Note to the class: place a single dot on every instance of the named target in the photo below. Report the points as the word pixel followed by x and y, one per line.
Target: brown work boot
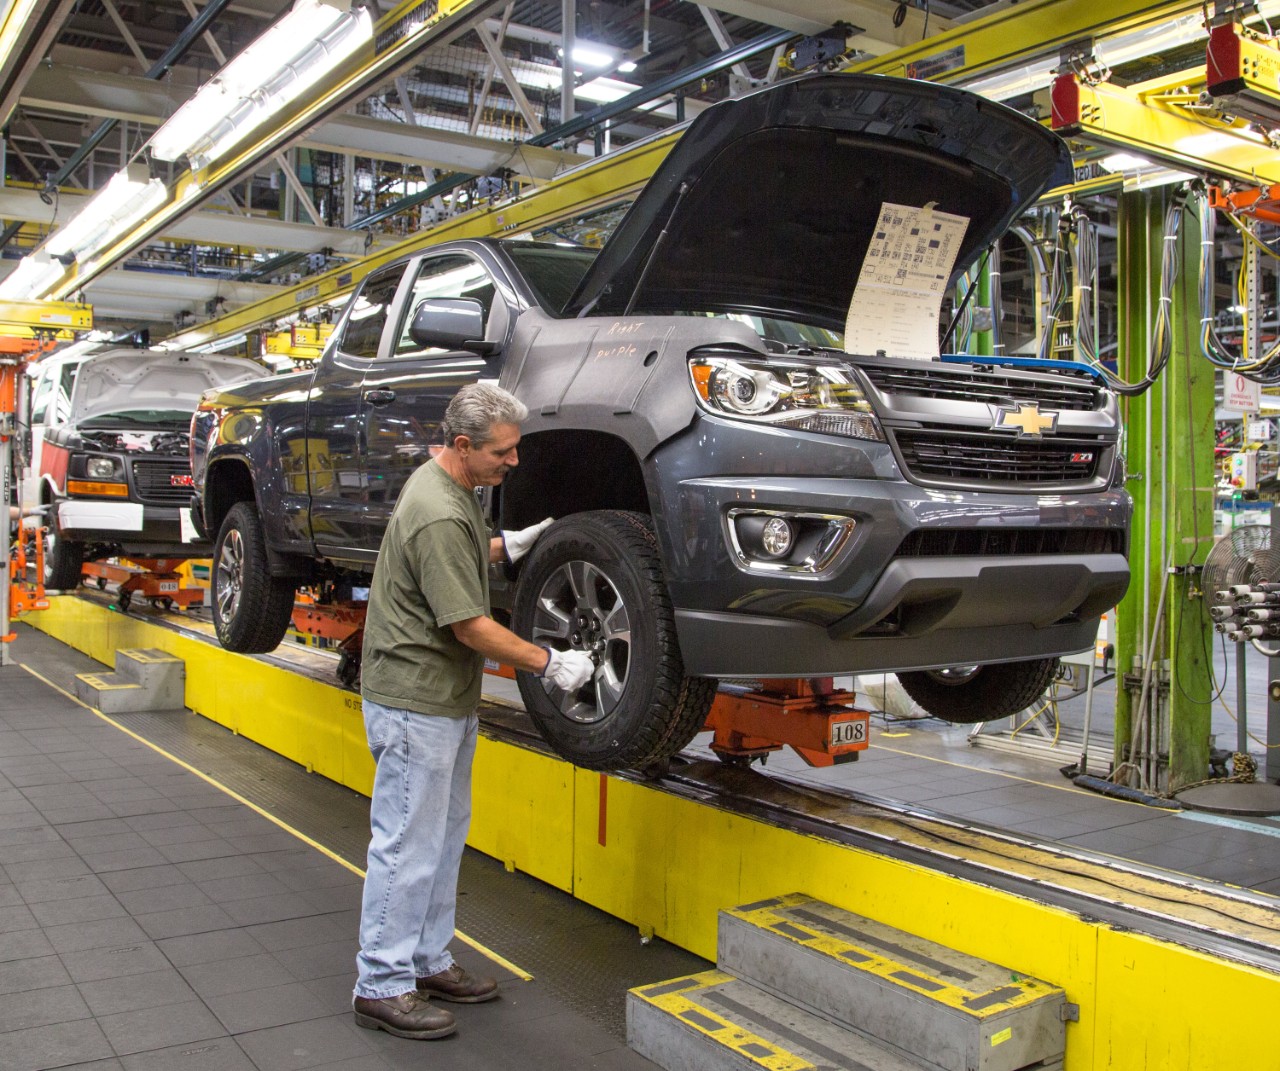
pixel 407 1015
pixel 456 984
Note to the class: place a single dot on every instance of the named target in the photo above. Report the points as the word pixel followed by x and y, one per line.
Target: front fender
pixel 626 376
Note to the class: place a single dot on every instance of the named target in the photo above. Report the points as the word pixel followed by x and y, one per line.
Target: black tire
pixel 63 560
pixel 251 608
pixel 971 694
pixel 605 567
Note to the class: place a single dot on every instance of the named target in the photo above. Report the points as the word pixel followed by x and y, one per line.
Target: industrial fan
pixel 1244 556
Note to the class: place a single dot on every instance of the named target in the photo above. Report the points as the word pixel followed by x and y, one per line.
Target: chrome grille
pixel 962 384
pixel 153 484
pixel 934 455
pixel 975 542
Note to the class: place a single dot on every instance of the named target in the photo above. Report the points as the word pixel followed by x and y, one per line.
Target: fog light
pixel 100 468
pixel 777 537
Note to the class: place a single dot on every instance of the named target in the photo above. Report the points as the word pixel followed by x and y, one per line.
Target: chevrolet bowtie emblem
pixel 1027 419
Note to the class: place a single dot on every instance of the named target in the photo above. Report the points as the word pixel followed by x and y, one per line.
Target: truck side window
pixel 364 327
pixel 51 400
pixel 454 276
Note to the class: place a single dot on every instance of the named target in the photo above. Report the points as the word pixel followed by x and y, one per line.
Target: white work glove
pixel 568 670
pixel 519 543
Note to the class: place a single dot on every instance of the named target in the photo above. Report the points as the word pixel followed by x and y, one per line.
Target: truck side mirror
pixel 450 324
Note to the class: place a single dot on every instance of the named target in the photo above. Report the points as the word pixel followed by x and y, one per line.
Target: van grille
pixel 966 456
pixel 930 381
pixel 152 480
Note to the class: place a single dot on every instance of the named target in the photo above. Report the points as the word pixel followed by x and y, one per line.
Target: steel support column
pixel 1170 438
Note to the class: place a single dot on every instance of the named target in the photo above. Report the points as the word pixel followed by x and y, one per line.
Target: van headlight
pixel 100 468
pixel 807 397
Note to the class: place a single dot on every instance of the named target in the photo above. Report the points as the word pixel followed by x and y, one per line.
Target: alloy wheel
pixel 230 578
pixel 580 608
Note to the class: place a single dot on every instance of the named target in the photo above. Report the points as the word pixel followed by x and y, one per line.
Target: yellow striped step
pixel 715 1022
pixel 145 678
pixel 946 1009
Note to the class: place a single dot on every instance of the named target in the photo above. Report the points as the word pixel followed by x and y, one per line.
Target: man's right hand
pixel 568 670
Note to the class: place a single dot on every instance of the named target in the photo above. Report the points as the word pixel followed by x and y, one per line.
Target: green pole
pixel 1169 449
pixel 984 341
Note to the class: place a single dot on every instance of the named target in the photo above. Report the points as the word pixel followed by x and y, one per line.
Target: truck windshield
pixel 552 271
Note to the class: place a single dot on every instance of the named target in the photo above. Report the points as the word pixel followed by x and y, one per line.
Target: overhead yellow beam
pixel 1010 36
pixel 29 319
pixel 1158 120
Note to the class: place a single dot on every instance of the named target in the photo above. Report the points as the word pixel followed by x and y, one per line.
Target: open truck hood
pixel 784 187
pixel 119 381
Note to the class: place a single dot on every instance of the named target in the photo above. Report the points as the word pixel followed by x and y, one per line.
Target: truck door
pixel 406 391
pixel 327 456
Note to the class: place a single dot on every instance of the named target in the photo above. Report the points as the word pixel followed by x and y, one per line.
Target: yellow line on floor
pixel 501 961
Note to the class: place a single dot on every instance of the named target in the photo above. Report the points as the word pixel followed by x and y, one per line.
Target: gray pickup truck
pixel 737 496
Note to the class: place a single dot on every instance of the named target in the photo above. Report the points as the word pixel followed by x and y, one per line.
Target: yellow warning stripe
pixel 102 684
pixel 673 999
pixel 501 961
pixel 1012 994
pixel 148 656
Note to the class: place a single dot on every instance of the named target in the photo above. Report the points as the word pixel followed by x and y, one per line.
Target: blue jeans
pixel 418 816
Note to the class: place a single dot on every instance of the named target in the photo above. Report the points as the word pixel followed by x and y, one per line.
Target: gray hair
pixel 477 408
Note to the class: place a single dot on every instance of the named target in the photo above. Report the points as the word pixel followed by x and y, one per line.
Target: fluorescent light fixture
pixel 14 20
pixel 1125 161
pixel 221 344
pixel 590 54
pixel 604 90
pixel 626 66
pixel 282 64
pixel 1140 173
pixel 1206 145
pixel 1156 176
pixel 32 278
pixel 130 195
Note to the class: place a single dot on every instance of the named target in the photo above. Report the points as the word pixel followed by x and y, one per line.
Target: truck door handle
pixel 379 397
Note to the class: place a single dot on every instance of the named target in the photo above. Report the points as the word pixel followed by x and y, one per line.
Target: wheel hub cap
pixel 579 608
pixel 229 578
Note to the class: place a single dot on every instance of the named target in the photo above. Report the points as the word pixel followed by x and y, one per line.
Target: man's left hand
pixel 519 543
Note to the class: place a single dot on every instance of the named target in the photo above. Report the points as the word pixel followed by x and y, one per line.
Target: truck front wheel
pixel 966 695
pixel 594 583
pixel 251 608
pixel 63 560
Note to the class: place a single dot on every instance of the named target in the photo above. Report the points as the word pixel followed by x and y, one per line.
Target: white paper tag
pixel 898 298
pixel 187 526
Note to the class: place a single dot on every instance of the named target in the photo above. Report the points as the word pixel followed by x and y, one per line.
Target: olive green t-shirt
pixel 432 570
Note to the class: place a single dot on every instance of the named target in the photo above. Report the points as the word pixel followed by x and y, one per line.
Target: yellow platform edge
pixel 668 865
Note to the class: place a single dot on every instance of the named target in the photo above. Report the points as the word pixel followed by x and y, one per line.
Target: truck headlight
pixel 808 397
pixel 100 468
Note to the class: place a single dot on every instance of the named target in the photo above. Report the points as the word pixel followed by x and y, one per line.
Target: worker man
pixel 427 634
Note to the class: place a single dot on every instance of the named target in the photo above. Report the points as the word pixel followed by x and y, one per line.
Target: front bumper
pixel 881 607
pixel 147 531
